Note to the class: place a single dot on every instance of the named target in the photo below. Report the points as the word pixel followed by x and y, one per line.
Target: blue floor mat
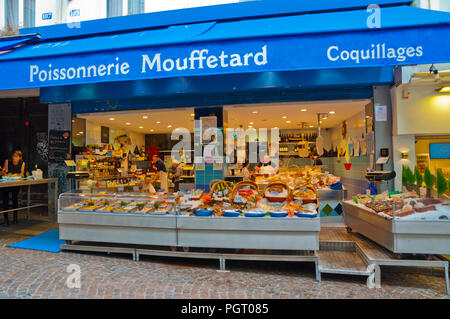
pixel 48 241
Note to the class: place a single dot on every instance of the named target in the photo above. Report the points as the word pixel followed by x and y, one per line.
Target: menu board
pixel 59 143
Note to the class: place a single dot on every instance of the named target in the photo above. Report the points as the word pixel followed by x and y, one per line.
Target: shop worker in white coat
pixel 161 172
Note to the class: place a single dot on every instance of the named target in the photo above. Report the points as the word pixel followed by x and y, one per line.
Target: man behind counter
pixel 315 160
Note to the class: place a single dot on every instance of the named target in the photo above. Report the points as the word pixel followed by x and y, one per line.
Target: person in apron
pixel 161 173
pixel 15 166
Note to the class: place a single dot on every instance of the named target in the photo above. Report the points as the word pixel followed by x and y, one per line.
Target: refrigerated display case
pixel 403 223
pixel 124 218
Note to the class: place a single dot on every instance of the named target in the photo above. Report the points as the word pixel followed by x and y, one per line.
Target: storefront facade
pixel 211 58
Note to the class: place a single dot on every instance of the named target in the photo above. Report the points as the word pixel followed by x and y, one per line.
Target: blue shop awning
pixel 9 43
pixel 406 36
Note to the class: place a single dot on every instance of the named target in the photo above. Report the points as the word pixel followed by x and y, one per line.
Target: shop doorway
pixel 343 124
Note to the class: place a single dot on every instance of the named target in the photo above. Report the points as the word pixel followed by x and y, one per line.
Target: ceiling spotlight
pixel 332 112
pixel 145 117
pixel 128 123
pixel 192 114
pixel 255 112
pixel 81 133
pixel 158 122
pixel 251 123
pixel 169 126
pixel 152 130
pixel 288 122
pixel 250 126
pixel 112 119
pixel 284 117
pixel 141 127
pixel 304 110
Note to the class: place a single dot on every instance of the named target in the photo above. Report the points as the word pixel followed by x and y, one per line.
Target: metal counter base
pixel 296 238
pixel 221 255
pixel 249 233
pixel 400 237
pixel 118 228
pixel 188 231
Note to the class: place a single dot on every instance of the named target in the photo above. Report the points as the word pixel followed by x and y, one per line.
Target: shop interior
pixel 101 140
pixel 433 152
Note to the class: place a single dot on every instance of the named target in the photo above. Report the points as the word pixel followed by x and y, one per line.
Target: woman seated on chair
pixel 14 167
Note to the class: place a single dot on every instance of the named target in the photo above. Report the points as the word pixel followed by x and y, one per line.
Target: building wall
pixel 424 112
pixel 48 12
pixel 97 9
pixel 2 14
pixel 441 5
pixel 403 144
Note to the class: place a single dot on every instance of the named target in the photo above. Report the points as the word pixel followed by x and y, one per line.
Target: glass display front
pixel 118 203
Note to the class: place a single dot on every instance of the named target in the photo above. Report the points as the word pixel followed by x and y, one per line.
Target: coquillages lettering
pixel 378 51
pixel 198 59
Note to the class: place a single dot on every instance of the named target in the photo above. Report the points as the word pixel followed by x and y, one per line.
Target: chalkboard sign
pixel 59 143
pixel 105 135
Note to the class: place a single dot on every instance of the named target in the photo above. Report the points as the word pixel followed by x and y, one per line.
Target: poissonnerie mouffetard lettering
pixel 198 59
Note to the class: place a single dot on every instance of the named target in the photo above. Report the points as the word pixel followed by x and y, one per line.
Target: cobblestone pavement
pixel 34 274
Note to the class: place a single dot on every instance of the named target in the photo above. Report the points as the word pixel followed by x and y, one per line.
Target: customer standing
pixel 246 174
pixel 15 166
pixel 161 172
pixel 177 173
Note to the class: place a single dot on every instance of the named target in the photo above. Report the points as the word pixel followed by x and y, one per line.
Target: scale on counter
pixel 75 176
pixel 381 175
pixel 78 175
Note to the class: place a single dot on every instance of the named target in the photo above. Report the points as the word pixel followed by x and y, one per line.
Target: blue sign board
pixel 74 13
pixel 47 16
pixel 440 150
